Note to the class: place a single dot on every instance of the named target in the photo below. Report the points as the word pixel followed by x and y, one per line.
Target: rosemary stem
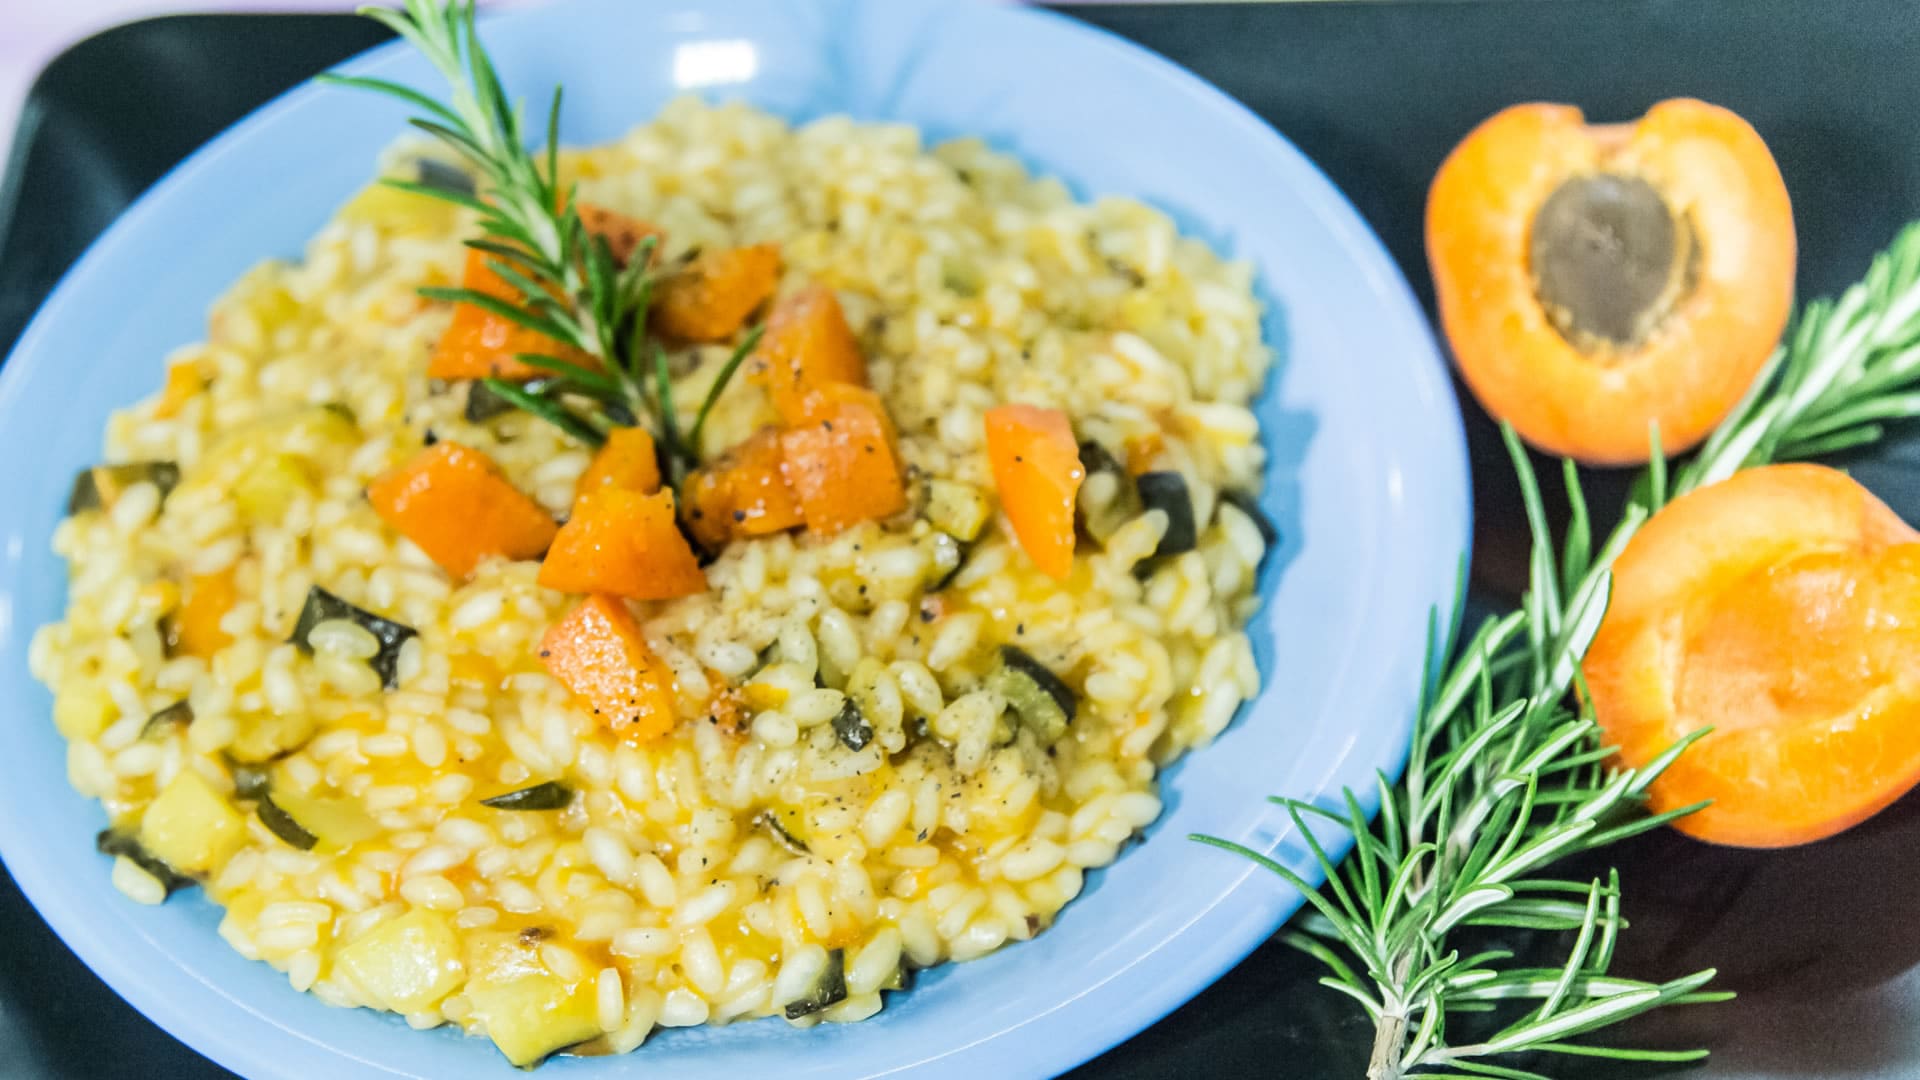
pixel 1390 1034
pixel 1389 1039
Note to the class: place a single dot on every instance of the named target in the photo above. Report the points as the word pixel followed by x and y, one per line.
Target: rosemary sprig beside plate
pixel 1507 775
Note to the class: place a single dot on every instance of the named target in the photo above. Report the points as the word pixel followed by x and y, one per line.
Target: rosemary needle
pixel 570 289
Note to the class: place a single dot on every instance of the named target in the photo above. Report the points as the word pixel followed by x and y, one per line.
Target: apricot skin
pixel 1781 608
pixel 1714 172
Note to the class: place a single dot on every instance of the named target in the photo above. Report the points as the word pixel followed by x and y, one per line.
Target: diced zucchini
pixel 959 564
pixel 531 1015
pixel 902 977
pixel 1167 491
pixel 406 965
pixel 851 725
pixel 811 827
pixel 269 487
pixel 333 821
pixel 552 795
pixel 282 825
pixel 264 463
pixel 178 714
pixel 101 486
pixel 828 990
pixel 191 827
pixel 124 845
pixel 305 820
pixel 1044 704
pixel 249 781
pixel 434 173
pixel 944 556
pixel 1248 504
pixel 1118 501
pixel 83 712
pixel 262 737
pixel 483 404
pixel 957 509
pixel 1096 458
pixel 770 820
pixel 322 605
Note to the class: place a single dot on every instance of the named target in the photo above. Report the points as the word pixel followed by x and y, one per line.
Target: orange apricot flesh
pixel 1595 280
pixel 1781 609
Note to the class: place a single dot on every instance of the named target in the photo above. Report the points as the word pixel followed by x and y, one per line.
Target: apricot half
pixel 1593 280
pixel 1781 608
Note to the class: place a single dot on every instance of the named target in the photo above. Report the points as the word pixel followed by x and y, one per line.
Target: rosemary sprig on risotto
pixel 571 288
pixel 1508 775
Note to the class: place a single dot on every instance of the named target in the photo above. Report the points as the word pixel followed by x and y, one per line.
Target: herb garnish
pixel 1507 774
pixel 571 288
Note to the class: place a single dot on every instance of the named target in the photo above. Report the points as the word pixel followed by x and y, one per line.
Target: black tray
pixel 1821 942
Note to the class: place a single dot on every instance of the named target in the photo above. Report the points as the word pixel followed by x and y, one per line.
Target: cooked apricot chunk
pixel 1036 467
pixel 598 653
pixel 623 543
pixel 456 505
pixel 743 492
pixel 1595 280
pixel 627 460
pixel 1781 609
pixel 840 459
pixel 479 344
pixel 713 296
pixel 808 345
pixel 623 234
pixel 195 628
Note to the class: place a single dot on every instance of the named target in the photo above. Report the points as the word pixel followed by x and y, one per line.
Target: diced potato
pixel 268 488
pixel 83 713
pixel 531 1015
pixel 408 964
pixel 192 827
pixel 335 821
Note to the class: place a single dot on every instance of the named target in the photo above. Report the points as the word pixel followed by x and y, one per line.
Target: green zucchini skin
pixel 96 488
pixel 1095 458
pixel 435 173
pixel 829 990
pixel 1167 491
pixel 281 824
pixel 1045 705
pixel 851 725
pixel 483 404
pixel 116 843
pixel 946 579
pixel 322 605
pixel 250 781
pixel 771 821
pixel 551 795
pixel 1248 504
pixel 179 713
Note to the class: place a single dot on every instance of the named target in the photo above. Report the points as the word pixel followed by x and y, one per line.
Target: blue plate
pixel 1368 485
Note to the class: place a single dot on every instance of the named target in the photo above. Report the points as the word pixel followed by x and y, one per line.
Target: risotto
pixel 880 744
